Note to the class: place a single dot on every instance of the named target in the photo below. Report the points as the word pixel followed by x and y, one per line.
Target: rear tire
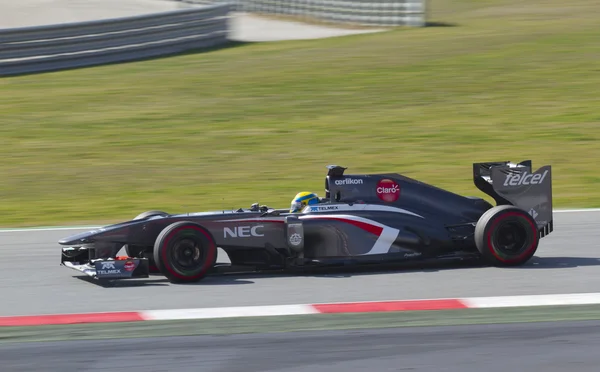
pixel 136 251
pixel 184 252
pixel 506 236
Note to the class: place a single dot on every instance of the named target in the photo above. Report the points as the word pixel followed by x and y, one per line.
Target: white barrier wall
pixel 382 13
pixel 54 47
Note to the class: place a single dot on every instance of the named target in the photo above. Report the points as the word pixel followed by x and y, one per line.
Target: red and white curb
pixel 306 309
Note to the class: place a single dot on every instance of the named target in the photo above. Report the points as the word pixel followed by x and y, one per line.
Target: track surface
pixel 32 282
pixel 549 347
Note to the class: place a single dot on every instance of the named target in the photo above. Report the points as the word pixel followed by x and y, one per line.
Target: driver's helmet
pixel 302 199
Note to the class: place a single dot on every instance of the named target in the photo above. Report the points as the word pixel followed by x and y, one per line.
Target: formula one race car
pixel 364 218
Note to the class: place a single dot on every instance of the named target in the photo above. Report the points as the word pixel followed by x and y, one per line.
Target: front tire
pixel 184 252
pixel 506 236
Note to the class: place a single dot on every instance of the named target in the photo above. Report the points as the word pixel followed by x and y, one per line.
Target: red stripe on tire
pixel 34 320
pixel 375 307
pixel 491 230
pixel 209 259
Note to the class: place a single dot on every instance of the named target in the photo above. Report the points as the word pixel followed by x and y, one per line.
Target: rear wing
pixel 517 184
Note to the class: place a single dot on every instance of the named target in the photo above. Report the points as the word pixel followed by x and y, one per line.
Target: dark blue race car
pixel 363 219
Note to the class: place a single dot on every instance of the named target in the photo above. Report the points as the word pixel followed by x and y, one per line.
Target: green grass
pixel 259 122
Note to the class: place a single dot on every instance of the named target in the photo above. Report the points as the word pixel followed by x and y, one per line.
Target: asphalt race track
pixel 548 347
pixel 33 282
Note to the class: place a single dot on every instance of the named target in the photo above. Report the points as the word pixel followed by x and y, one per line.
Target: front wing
pixel 110 268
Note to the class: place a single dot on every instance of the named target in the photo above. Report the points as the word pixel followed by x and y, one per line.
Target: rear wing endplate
pixel 517 184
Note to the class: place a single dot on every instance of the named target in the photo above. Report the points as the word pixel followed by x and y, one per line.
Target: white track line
pixel 50 228
pixel 532 300
pixel 228 312
pixel 583 210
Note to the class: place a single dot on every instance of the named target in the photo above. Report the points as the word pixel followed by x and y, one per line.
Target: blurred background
pixel 258 121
